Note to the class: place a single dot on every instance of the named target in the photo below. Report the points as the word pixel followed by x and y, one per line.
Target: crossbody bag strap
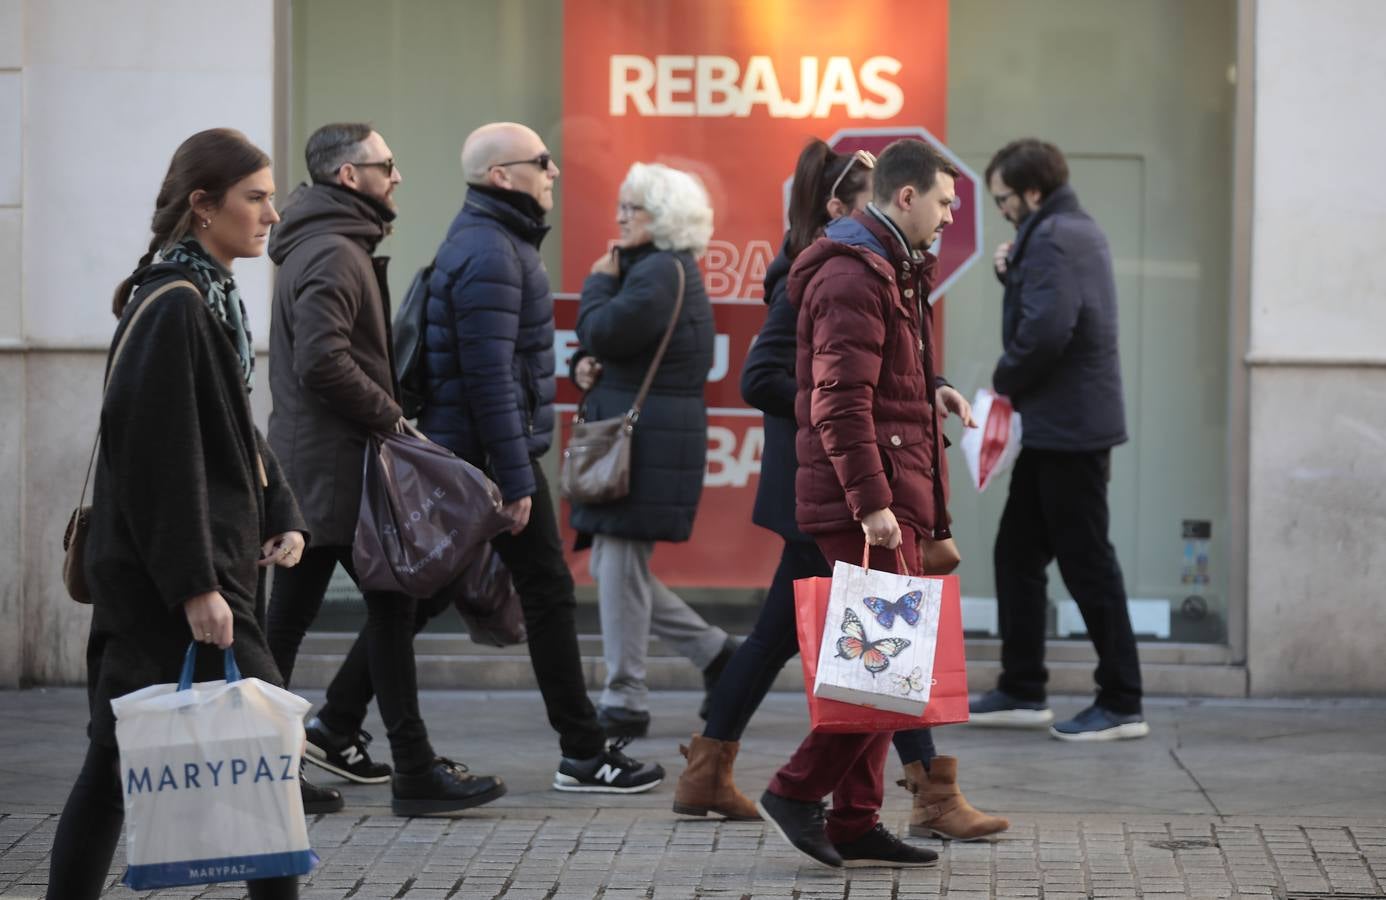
pixel 120 345
pixel 634 414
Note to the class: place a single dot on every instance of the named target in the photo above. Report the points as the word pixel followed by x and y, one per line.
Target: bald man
pixel 489 399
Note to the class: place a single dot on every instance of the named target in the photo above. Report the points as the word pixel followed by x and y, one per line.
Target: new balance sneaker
pixel 1097 723
pixel 619 722
pixel 879 847
pixel 609 772
pixel 802 823
pixel 998 708
pixel 343 756
pixel 443 788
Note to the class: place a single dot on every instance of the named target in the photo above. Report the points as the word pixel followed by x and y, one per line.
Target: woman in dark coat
pixel 627 303
pixel 189 507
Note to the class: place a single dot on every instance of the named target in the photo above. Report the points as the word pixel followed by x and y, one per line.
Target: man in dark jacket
pixel 489 398
pixel 869 450
pixel 1061 370
pixel 332 378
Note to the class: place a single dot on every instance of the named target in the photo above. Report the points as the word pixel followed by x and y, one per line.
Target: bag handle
pixel 899 558
pixel 233 671
pixel 106 382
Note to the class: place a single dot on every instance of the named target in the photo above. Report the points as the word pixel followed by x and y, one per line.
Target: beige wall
pixel 1317 501
pixel 94 97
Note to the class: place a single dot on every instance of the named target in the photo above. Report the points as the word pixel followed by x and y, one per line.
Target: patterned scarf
pixel 219 289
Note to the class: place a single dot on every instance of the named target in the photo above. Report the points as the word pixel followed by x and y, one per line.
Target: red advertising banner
pixel 731 90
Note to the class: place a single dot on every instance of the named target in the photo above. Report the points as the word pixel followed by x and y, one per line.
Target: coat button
pixel 895 440
pixel 909 292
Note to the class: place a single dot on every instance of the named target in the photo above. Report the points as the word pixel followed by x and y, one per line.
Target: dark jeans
pixel 383 654
pixel 1057 508
pixel 89 828
pixel 774 641
pixel 540 573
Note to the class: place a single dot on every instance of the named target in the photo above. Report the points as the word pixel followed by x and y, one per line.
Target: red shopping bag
pixel 948 698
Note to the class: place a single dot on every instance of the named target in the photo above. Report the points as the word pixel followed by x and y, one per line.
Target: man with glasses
pixel 333 383
pixel 489 398
pixel 1061 370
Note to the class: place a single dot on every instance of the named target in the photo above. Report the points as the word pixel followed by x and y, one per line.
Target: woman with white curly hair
pixel 628 301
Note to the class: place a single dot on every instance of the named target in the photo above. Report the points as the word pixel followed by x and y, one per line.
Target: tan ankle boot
pixel 706 785
pixel 940 809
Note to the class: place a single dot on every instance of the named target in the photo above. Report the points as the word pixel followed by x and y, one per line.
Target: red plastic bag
pixel 948 698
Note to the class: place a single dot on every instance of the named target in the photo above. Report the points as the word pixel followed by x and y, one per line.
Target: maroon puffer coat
pixel 868 433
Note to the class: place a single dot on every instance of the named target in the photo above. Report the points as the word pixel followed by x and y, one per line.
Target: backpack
pixel 410 323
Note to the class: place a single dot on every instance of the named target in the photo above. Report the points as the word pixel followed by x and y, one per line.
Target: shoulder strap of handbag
pixel 634 414
pixel 125 336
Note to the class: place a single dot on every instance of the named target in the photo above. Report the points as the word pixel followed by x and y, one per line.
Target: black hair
pixel 908 161
pixel 1030 164
pixel 818 167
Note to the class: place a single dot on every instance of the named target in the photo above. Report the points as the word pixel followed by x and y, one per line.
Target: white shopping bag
pixel 879 638
pixel 993 445
pixel 210 777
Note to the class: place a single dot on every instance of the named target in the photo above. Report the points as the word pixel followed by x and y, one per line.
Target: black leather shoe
pixel 319 800
pixel 443 788
pixel 619 722
pixel 713 672
pixel 802 824
pixel 879 847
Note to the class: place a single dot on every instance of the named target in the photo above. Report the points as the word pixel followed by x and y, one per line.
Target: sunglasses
pixel 543 161
pixel 387 164
pixel 867 160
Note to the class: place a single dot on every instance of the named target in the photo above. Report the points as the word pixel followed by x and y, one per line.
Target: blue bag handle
pixel 233 671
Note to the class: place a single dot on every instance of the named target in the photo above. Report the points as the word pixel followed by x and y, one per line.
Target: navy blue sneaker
pixel 1097 723
pixel 1000 709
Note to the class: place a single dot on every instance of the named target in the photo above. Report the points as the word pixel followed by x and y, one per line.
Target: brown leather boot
pixel 940 809
pixel 706 785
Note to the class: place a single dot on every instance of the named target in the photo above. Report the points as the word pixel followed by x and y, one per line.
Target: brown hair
pixel 908 161
pixel 1030 164
pixel 818 167
pixel 211 161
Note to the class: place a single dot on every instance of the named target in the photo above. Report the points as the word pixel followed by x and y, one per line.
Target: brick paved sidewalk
pixel 1244 799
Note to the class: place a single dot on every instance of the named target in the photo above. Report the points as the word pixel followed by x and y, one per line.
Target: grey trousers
pixel 633 603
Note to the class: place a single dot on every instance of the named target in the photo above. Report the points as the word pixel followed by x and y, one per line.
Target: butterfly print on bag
pixel 907 608
pixel 875 655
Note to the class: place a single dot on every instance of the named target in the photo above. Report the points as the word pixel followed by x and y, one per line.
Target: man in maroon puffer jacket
pixel 869 450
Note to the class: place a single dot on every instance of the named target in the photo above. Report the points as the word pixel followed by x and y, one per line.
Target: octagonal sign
pixel 960 245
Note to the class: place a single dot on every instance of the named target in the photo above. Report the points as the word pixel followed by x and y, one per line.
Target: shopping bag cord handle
pixel 899 558
pixel 185 680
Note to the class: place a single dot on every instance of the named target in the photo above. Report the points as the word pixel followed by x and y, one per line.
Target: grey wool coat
pixel 331 362
pixel 621 321
pixel 179 506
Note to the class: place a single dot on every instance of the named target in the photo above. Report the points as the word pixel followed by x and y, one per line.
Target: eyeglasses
pixel 543 160
pixel 387 164
pixel 1000 199
pixel 865 157
pixel 626 210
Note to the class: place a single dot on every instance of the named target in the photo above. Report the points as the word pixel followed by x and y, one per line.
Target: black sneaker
pixel 879 847
pixel 1001 709
pixel 609 772
pixel 619 722
pixel 319 800
pixel 342 755
pixel 443 788
pixel 713 672
pixel 801 823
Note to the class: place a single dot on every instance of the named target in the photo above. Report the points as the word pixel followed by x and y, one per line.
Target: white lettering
pixel 726 466
pixel 636 90
pixel 608 774
pixel 721 358
pixel 717 86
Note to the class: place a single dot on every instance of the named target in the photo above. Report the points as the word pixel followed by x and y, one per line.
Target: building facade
pixel 1227 148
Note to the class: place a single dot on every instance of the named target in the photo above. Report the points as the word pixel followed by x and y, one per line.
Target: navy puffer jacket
pixel 489 342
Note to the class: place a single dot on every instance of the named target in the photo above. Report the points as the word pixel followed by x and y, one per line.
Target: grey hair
pixel 680 212
pixel 333 146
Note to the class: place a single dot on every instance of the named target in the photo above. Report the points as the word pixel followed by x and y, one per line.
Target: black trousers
pixel 382 656
pixel 1057 509
pixel 89 828
pixel 540 573
pixel 774 641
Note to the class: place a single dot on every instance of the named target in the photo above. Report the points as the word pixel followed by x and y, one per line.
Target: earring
pixel 206 223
